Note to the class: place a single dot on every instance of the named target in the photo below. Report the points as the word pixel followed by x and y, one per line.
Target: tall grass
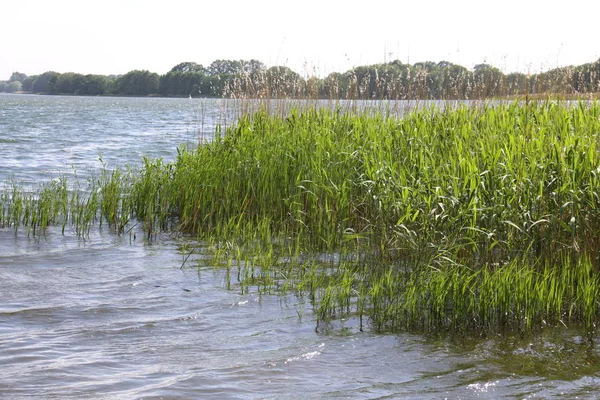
pixel 467 185
pixel 467 218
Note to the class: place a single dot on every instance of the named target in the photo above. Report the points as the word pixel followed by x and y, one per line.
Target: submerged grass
pixel 470 218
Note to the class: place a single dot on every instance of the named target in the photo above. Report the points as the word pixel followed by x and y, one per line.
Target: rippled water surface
pixel 116 317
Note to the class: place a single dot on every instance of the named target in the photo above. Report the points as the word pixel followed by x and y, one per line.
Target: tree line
pixel 252 79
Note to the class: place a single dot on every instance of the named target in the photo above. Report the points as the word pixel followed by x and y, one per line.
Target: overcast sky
pixel 313 37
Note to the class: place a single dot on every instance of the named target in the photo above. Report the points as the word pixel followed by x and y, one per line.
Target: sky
pixel 312 37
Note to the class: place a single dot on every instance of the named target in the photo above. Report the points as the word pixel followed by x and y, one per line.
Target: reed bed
pixel 476 218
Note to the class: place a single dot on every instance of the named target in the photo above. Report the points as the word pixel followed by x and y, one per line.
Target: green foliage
pixel 237 78
pixel 225 68
pixel 28 83
pixel 186 67
pixel 183 84
pixel 282 82
pixel 251 79
pixel 13 86
pixel 17 77
pixel 137 83
pixel 468 219
pixel 94 85
pixel 45 82
pixel 474 218
pixel 68 83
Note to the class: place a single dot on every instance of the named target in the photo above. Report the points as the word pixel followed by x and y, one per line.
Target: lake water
pixel 113 317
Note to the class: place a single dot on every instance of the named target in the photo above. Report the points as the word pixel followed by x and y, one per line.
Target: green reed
pixel 467 218
pixel 475 183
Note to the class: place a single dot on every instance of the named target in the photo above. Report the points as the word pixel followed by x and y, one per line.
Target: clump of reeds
pixel 494 182
pixel 470 193
pixel 467 218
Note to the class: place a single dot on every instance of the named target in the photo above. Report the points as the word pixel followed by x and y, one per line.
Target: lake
pixel 114 316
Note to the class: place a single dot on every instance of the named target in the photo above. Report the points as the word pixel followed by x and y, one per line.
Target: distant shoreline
pixel 21 92
pixel 531 97
pixel 253 79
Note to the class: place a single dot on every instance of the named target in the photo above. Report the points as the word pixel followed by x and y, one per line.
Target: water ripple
pixel 108 318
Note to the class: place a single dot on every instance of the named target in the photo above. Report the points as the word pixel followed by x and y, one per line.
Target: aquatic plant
pixel 481 217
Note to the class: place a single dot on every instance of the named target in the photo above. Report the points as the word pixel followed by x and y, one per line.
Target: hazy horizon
pixel 316 38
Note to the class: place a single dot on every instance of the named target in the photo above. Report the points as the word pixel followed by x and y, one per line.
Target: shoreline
pixel 531 97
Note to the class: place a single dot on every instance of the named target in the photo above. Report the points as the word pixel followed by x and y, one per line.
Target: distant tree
pixel 488 81
pixel 222 76
pixel 313 87
pixel 586 77
pixel 225 68
pixel 69 83
pixel 420 80
pixel 138 83
pixel 165 83
pixel 13 86
pixel 238 78
pixel 96 84
pixel 28 83
pixel 185 67
pixel 356 78
pixel 183 84
pixel 45 82
pixel 283 82
pixel 516 84
pixel 458 80
pixel 446 80
pixel 72 83
pixel 111 84
pixel 17 77
pixel 251 78
pixel 252 66
pixel 335 86
pixel 390 80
